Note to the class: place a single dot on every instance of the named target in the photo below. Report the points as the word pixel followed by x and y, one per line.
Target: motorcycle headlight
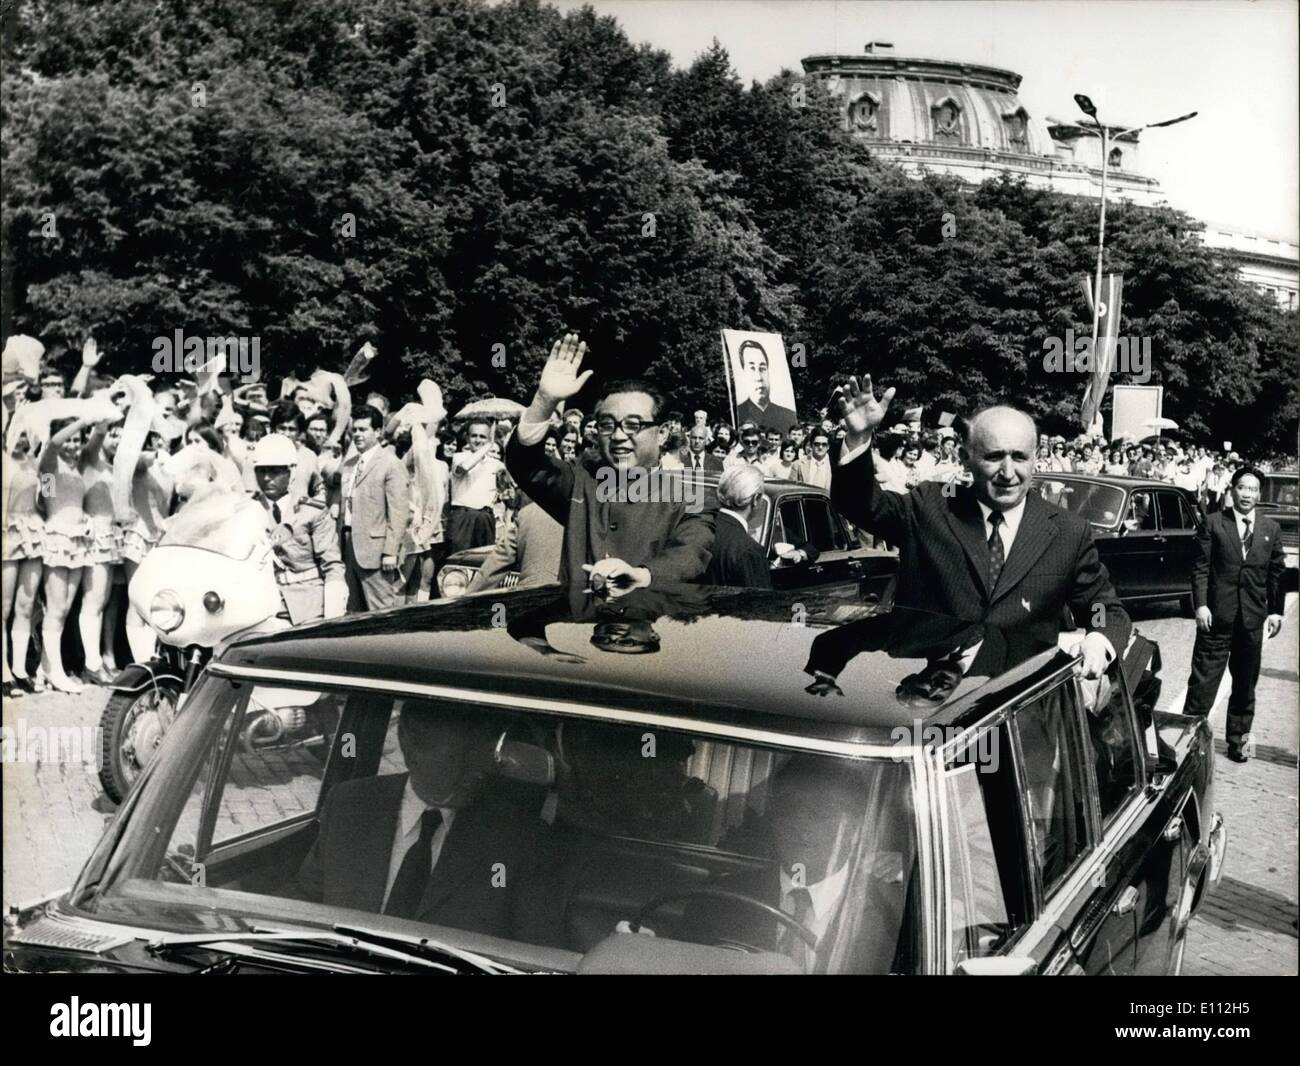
pixel 453 581
pixel 166 613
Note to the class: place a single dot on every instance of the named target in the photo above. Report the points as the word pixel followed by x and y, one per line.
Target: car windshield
pixel 530 838
pixel 1096 503
pixel 1279 490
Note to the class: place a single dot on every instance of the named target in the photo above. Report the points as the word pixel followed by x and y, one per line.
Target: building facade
pixel 967 119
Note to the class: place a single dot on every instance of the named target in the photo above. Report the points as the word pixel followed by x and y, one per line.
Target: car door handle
pixel 1127 902
pixel 1174 829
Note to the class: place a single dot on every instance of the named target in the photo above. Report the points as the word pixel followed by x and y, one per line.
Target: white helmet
pixel 275 449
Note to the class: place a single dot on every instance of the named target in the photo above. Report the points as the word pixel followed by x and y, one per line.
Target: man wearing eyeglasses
pixel 617 544
pixel 747 454
pixel 815 469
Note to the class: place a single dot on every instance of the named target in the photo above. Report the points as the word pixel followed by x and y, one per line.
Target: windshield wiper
pixel 428 954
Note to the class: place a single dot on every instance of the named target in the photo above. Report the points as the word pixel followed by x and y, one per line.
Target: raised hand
pixel 560 377
pixel 861 411
pixel 90 354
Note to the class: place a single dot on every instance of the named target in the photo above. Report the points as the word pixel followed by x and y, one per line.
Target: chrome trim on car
pixel 560 707
pixel 1218 845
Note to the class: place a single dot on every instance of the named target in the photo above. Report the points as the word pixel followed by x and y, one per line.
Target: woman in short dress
pixel 103 553
pixel 24 545
pixel 67 539
pixel 141 529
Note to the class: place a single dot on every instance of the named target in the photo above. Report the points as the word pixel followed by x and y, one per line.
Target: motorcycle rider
pixel 308 562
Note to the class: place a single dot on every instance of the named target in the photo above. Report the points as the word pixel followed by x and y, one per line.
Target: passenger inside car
pixel 437 843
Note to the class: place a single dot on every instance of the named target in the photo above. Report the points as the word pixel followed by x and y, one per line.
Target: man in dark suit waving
pixel 992 551
pixel 1237 589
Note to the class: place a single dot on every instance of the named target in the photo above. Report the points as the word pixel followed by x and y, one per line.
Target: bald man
pixel 992 551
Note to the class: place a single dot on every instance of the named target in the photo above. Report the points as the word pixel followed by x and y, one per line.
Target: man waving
pixel 992 551
pixel 620 544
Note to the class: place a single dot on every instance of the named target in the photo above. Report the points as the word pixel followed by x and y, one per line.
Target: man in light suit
pixel 436 844
pixel 1237 590
pixel 373 514
pixel 815 468
pixel 992 551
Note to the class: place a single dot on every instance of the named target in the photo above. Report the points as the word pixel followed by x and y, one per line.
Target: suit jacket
pixel 1233 586
pixel 712 464
pixel 673 543
pixel 348 864
pixel 1052 568
pixel 801 470
pixel 380 505
pixel 737 558
pixel 775 417
pixel 532 545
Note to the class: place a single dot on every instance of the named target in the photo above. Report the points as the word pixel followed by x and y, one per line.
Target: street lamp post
pixel 1090 109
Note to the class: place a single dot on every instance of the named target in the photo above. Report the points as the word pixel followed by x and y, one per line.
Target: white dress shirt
pixel 475 487
pixel 408 832
pixel 825 895
pixel 1010 524
pixel 1241 521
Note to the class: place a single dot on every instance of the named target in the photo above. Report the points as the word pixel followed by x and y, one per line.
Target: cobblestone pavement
pixel 55 811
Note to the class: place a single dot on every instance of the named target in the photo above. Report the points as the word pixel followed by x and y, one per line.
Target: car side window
pixel 1113 740
pixel 821 525
pixel 985 849
pixel 1141 515
pixel 1055 791
pixel 792 521
pixel 1173 511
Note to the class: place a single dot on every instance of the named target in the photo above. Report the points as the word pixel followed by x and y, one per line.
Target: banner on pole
pixel 1112 292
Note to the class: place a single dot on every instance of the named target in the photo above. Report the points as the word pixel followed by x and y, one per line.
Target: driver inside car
pixel 808 830
pixel 440 844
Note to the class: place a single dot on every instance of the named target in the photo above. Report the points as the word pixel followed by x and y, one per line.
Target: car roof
pixel 727 656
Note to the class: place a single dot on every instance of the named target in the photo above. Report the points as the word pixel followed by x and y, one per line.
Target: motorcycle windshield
pixel 228 523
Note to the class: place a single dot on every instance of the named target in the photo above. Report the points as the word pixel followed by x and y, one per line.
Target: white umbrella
pixel 492 408
pixel 1160 423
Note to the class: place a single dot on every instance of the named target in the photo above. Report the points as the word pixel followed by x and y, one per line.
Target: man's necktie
pixel 699 463
pixel 1247 539
pixel 801 900
pixel 413 875
pixel 275 513
pixel 997 554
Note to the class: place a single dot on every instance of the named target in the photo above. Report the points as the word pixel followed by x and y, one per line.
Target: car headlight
pixel 166 613
pixel 453 581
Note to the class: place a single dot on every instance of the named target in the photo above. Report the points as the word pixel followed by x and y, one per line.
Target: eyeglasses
pixel 631 425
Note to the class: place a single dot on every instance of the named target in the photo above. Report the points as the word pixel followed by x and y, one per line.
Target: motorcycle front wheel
pixel 131 728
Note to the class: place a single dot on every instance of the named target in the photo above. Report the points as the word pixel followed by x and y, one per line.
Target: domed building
pixel 967 119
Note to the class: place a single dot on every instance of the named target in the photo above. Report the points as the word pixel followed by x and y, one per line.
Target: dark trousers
pixel 469 528
pixel 1239 650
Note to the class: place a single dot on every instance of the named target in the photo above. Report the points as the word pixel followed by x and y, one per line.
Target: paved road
pixel 54 811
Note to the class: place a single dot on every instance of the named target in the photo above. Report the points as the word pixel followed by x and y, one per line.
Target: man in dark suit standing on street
pixel 738 559
pixel 993 551
pixel 1237 589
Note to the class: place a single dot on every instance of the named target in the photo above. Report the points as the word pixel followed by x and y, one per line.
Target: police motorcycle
pixel 210 581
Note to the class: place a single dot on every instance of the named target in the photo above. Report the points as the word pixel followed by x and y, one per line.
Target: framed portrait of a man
pixel 758 379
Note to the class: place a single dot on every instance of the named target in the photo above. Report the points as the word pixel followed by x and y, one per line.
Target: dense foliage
pixel 455 181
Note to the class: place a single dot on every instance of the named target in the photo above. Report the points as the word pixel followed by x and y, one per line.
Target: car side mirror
pixel 997 966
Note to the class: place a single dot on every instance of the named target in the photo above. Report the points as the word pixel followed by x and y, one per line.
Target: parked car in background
pixel 1279 498
pixel 954 798
pixel 795 514
pixel 1145 531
